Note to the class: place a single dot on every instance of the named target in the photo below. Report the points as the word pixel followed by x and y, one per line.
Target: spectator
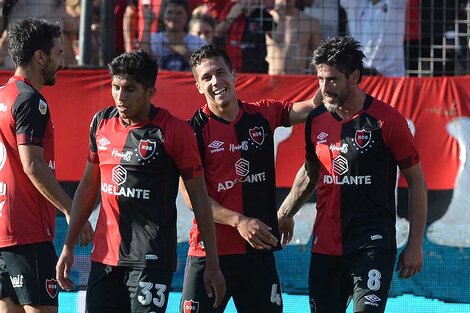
pixel 72 24
pixel 174 45
pixel 53 10
pixel 135 20
pixel 243 26
pixel 302 4
pixel 379 25
pixel 293 40
pixel 412 37
pixel 202 25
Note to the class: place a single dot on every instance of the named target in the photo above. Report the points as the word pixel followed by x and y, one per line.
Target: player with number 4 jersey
pixel 236 145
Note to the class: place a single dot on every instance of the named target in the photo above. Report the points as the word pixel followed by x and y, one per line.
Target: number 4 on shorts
pixel 275 296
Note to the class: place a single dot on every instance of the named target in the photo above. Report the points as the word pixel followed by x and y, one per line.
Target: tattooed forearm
pixel 302 189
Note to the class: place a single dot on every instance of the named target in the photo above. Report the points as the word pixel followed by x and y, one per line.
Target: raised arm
pixel 213 278
pixel 83 204
pixel 301 110
pixel 302 189
pixel 411 258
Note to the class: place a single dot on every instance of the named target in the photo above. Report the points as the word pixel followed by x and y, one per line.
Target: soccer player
pixel 354 143
pixel 137 153
pixel 237 149
pixel 29 191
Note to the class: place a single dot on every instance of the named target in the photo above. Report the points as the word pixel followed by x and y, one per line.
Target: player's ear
pixel 234 73
pixel 39 56
pixel 151 92
pixel 355 76
pixel 199 88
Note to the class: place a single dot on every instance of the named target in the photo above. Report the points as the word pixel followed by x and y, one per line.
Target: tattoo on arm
pixel 304 185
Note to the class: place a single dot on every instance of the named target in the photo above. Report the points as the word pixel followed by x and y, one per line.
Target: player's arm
pixel 257 233
pixel 213 278
pixel 42 177
pixel 83 204
pixel 301 110
pixel 38 171
pixel 411 258
pixel 302 189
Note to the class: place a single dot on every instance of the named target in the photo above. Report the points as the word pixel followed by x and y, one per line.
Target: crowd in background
pixel 399 37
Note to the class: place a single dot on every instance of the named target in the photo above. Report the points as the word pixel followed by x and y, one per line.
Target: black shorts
pixel 121 289
pixel 252 280
pixel 364 276
pixel 27 274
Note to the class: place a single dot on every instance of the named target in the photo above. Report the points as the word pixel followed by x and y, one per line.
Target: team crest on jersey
pixel 257 134
pixel 147 148
pixel 190 306
pixel 362 138
pixel 52 287
pixel 42 107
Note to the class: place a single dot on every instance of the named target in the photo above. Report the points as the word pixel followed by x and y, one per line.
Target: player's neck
pixel 353 104
pixel 227 112
pixel 29 74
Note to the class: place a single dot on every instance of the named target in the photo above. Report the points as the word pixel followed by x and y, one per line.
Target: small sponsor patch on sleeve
pixel 42 107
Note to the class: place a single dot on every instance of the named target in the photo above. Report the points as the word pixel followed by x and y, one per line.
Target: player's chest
pixel 357 140
pixel 141 146
pixel 249 138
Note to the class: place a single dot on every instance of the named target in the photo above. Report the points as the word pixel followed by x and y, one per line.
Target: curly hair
pixel 26 36
pixel 343 53
pixel 138 64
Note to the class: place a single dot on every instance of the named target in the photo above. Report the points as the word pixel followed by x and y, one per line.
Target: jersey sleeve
pixel 398 138
pixel 93 153
pixel 181 146
pixel 277 112
pixel 31 115
pixel 310 154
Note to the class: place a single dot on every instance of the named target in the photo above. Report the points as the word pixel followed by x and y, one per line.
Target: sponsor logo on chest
pixel 340 167
pixel 242 169
pixel 119 177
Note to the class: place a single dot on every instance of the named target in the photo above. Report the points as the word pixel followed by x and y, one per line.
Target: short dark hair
pixel 209 51
pixel 26 36
pixel 202 18
pixel 343 53
pixel 138 64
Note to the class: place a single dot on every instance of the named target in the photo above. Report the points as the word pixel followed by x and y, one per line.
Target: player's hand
pixel 86 234
pixel 215 285
pixel 286 228
pixel 63 267
pixel 257 233
pixel 410 261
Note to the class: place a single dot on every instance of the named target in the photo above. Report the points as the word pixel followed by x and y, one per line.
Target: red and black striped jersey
pixel 238 160
pixel 358 160
pixel 140 167
pixel 26 216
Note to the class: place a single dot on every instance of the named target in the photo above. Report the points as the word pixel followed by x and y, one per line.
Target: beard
pixel 331 107
pixel 335 100
pixel 49 75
